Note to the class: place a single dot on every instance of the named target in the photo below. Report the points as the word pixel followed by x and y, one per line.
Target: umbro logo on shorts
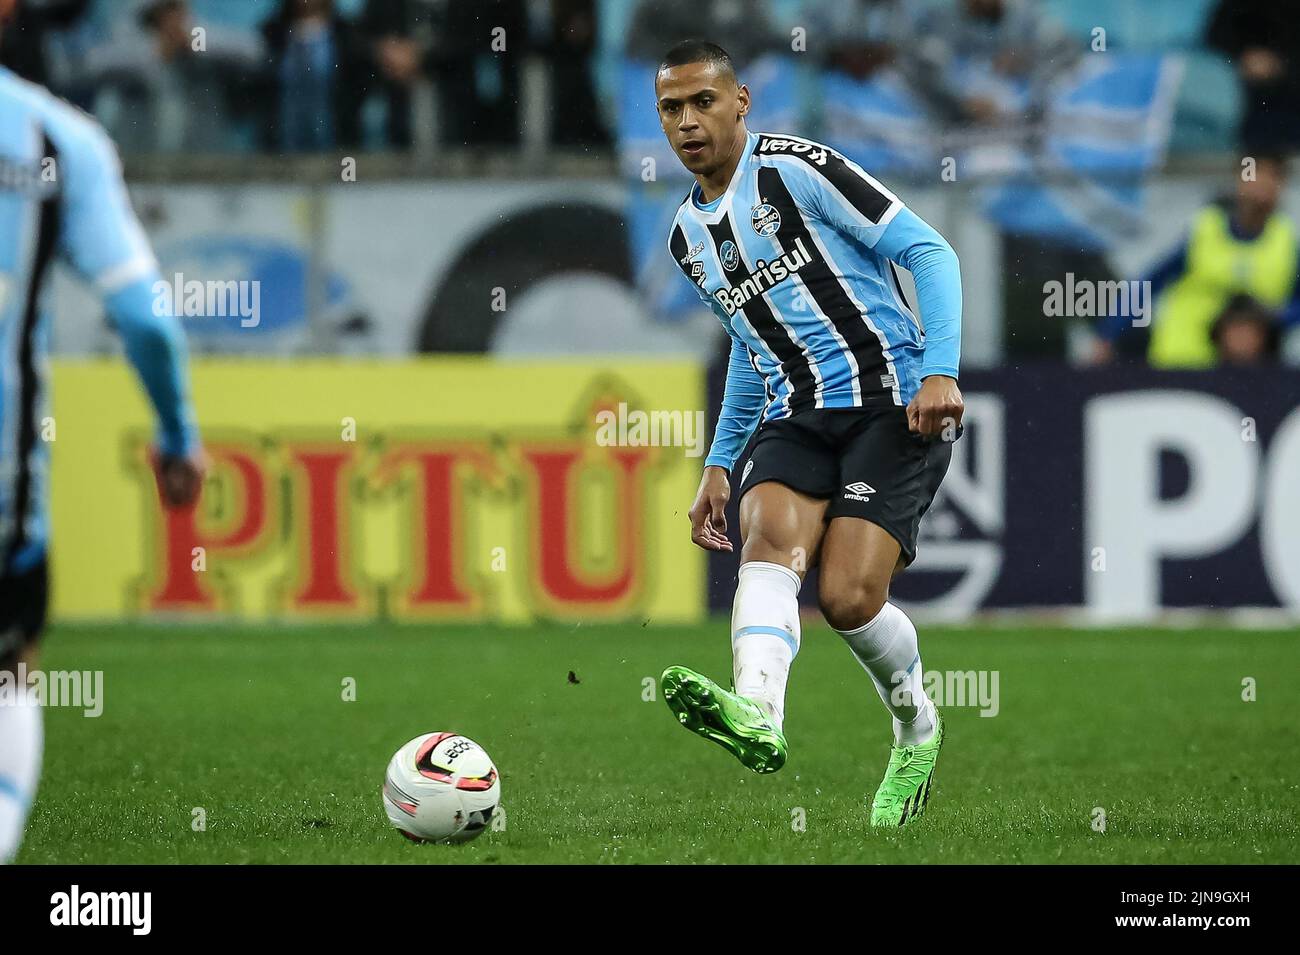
pixel 749 466
pixel 858 491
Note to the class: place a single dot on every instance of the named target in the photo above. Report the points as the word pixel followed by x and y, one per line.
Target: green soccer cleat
pixel 905 789
pixel 734 722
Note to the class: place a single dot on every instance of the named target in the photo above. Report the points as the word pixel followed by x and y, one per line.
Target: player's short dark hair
pixel 699 51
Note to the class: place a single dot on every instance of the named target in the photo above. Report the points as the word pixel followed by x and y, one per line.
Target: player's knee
pixel 848 604
pixel 767 544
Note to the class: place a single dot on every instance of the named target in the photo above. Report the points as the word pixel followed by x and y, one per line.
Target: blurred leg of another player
pixel 22 617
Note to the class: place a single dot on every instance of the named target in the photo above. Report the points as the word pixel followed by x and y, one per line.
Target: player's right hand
pixel 180 478
pixel 708 513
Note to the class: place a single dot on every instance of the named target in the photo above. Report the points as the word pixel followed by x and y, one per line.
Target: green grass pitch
pixel 249 724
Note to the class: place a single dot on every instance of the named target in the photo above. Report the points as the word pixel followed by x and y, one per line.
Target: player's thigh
pixel 781 525
pixel 888 476
pixel 784 487
pixel 858 559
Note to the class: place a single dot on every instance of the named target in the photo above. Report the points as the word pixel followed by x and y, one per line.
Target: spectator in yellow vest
pixel 1242 247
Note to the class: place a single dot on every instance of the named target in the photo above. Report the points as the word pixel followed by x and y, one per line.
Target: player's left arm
pixel 103 240
pixel 937 407
pixel 840 193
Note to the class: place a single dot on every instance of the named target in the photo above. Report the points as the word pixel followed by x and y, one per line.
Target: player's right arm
pixel 743 400
pixel 105 243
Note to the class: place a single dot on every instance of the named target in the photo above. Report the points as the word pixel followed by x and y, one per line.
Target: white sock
pixel 21 739
pixel 765 634
pixel 886 647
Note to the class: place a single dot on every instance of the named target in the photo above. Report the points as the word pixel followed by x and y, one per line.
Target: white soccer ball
pixel 441 787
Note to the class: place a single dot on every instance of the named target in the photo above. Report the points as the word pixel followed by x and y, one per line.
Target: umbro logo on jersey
pixel 697 272
pixel 858 491
pixel 730 255
pixel 762 279
pixel 765 219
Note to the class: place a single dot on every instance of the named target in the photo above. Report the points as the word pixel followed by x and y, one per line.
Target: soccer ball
pixel 441 787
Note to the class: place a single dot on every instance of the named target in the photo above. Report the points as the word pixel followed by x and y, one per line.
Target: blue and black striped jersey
pixel 798 259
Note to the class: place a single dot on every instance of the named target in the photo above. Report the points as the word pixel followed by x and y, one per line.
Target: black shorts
pixel 23 600
pixel 864 460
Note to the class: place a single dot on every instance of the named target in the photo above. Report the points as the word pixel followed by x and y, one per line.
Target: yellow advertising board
pixel 438 488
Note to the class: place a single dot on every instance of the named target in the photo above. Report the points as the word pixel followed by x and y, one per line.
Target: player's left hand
pixel 180 478
pixel 936 409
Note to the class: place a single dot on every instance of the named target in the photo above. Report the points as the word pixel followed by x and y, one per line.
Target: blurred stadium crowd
pixel 301 75
pixel 280 77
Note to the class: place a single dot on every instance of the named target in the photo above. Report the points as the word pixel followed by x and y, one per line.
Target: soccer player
pixel 61 195
pixel 794 248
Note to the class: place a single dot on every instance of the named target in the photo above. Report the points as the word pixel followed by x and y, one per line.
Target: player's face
pixel 700 109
